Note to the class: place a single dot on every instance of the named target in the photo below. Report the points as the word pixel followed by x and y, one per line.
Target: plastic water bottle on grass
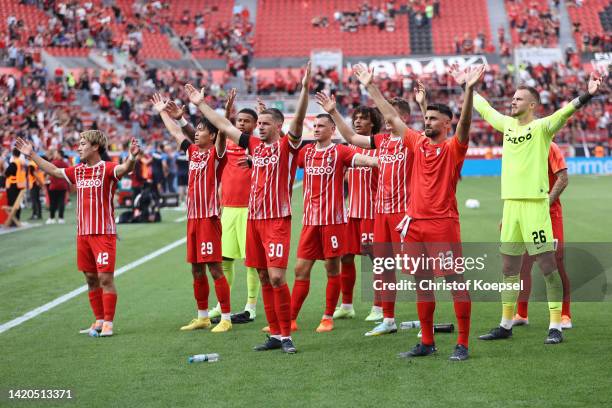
pixel 203 358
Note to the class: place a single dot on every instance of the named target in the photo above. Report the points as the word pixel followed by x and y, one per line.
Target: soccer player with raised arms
pixel 96 181
pixel 269 223
pixel 526 223
pixel 206 162
pixel 394 166
pixel 323 234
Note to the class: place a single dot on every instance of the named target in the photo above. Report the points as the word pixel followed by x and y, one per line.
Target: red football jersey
pixel 95 186
pixel 435 173
pixel 274 168
pixel 362 187
pixel 235 178
pixel 394 168
pixel 556 163
pixel 324 183
pixel 205 170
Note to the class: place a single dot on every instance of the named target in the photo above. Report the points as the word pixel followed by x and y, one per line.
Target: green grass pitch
pixel 145 364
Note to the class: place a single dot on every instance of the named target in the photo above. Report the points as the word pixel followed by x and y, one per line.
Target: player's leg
pixel 566 316
pixel 301 287
pixel 222 290
pixel 512 249
pixel 201 291
pixel 554 294
pixel 95 301
pixel 383 248
pixel 521 317
pixel 282 307
pixel 230 250
pixel 104 250
pixel 267 293
pixel 332 293
pixel 87 263
pixel 348 273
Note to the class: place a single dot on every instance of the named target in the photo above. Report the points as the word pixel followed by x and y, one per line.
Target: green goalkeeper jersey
pixel 525 150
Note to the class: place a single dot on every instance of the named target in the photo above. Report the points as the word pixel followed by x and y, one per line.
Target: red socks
pixel 300 291
pixel 109 300
pixel 426 311
pixel 463 311
pixel 201 291
pixel 348 276
pixel 267 293
pixel 222 290
pixel 282 305
pixel 95 300
pixel 332 293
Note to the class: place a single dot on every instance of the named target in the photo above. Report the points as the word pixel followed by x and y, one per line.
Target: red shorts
pixel 322 241
pixel 96 253
pixel 268 243
pixel 359 232
pixel 437 239
pixel 203 240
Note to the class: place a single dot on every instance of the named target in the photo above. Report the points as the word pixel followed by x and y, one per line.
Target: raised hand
pixel 261 106
pixel 134 147
pixel 420 94
pixel 24 147
pixel 158 102
pixel 231 97
pixel 307 75
pixel 195 97
pixel 174 111
pixel 458 74
pixel 363 74
pixel 326 102
pixel 474 74
pixel 595 82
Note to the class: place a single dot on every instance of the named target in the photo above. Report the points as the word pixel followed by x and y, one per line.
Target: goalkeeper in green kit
pixel 526 221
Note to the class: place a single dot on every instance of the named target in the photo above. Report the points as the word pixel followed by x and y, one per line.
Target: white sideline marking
pixel 25 226
pixel 70 295
pixel 64 298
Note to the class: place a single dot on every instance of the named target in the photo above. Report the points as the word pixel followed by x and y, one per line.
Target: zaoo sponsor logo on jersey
pixel 199 165
pixel 265 161
pixel 519 139
pixel 319 170
pixel 89 183
pixel 391 158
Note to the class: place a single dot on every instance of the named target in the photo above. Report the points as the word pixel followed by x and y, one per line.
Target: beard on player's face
pixel 431 132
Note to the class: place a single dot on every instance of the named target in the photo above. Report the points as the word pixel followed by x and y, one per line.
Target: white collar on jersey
pixel 331 145
pixel 97 164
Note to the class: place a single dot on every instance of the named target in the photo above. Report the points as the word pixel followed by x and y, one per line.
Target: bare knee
pixel 332 266
pixel 107 282
pixel 511 265
pixel 348 259
pixel 197 270
pixel 302 269
pixel 92 280
pixel 215 270
pixel 547 263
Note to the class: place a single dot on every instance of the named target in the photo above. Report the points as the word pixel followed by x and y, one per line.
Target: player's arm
pixel 220 141
pixel 486 111
pixel 560 184
pixel 329 105
pixel 557 120
pixel 297 124
pixel 128 166
pixel 220 122
pixel 420 96
pixel 178 114
pixel 365 77
pixel 362 160
pixel 160 106
pixel 465 120
pixel 27 150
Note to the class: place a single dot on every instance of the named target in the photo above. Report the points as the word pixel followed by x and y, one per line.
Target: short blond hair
pixel 96 137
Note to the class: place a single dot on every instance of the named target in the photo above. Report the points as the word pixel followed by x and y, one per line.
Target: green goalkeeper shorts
pixel 233 232
pixel 526 225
